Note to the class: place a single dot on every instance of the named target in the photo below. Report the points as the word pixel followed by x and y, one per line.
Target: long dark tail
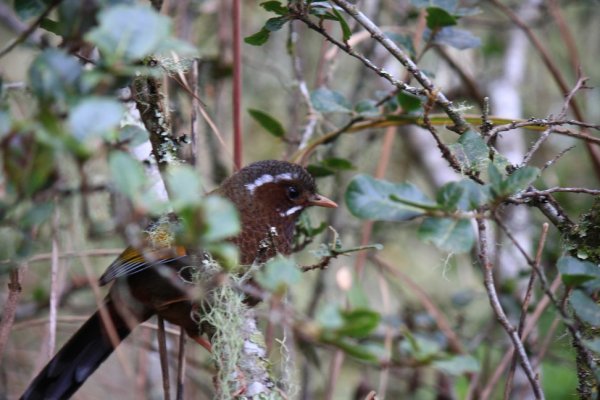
pixel 78 358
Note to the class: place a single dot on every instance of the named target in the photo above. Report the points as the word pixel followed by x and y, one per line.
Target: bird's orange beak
pixel 321 201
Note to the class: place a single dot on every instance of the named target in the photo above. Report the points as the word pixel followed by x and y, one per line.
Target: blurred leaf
pixel 358 323
pixel 357 297
pixel 5 123
pixel 471 151
pixel 439 18
pixel 12 239
pixel 226 254
pixel 133 135
pixel 127 173
pixel 352 348
pixel 346 31
pixel 420 347
pixel 133 32
pixel 460 39
pixel 458 365
pixel 84 122
pixel 521 179
pixel 370 198
pixel 221 218
pixel 37 214
pixel 329 166
pixel 464 195
pixel 367 108
pixel 329 101
pixel 275 24
pixel 574 272
pixel 409 102
pixel 269 123
pixel 54 76
pixel 338 163
pixel 28 162
pixel 184 186
pixel 329 316
pixel 515 182
pixel 585 308
pixel 275 7
pixel 259 38
pixel 319 171
pixel 278 274
pixel 451 235
pixel 27 9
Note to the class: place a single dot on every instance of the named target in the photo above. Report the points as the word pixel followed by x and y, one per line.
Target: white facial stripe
pixel 268 178
pixel 291 211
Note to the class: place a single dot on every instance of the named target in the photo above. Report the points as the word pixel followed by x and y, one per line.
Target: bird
pixel 269 196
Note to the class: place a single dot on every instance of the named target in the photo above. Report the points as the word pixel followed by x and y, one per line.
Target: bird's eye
pixel 293 192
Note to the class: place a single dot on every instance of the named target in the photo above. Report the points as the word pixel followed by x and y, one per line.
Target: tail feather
pixel 78 358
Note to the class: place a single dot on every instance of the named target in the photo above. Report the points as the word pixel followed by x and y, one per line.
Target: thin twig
pixel 181 364
pixel 164 362
pixel 525 307
pixel 531 325
pixel 501 315
pixel 10 307
pixel 237 84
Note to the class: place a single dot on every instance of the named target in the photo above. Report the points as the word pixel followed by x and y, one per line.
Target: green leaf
pixel 352 348
pixel 458 38
pixel 5 123
pixel 329 101
pixel 27 9
pixel 409 102
pixel 471 151
pixel 439 18
pixel 370 198
pixel 319 171
pixel 329 316
pixel 127 173
pixel 54 76
pixel 358 323
pixel 458 365
pixel 276 23
pixel 521 179
pixel 367 108
pixel 268 122
pixel 585 308
pixel 338 163
pixel 279 274
pixel 346 31
pixel 464 195
pixel 12 241
pixel 221 219
pixel 275 7
pixel 184 186
pixel 574 272
pixel 451 235
pixel 259 38
pixel 84 122
pixel 37 214
pixel 132 32
pixel 133 134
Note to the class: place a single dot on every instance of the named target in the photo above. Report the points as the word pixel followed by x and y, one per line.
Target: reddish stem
pixel 237 85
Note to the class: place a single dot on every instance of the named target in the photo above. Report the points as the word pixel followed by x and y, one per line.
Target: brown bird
pixel 267 194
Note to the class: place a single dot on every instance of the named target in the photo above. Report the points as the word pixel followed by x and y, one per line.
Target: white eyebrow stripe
pixel 291 211
pixel 268 178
